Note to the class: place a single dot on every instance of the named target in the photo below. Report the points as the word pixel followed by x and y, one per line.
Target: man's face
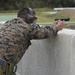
pixel 35 20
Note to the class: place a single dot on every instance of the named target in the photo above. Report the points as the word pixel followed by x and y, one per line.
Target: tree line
pixel 17 4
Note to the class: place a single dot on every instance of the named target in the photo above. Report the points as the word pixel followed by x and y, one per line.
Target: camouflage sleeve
pixel 39 32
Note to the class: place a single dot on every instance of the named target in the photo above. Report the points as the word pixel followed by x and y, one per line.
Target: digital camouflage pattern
pixel 15 36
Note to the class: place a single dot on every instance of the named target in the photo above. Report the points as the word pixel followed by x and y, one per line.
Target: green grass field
pixel 50 18
pixel 40 13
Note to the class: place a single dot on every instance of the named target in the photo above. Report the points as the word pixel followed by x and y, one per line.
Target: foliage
pixel 61 3
pixel 17 4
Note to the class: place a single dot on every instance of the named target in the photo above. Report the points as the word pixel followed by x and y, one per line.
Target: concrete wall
pixel 52 56
pixel 64 8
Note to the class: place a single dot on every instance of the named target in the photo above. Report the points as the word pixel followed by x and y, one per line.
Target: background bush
pixel 17 4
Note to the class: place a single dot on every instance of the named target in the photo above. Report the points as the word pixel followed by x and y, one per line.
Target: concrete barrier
pixel 52 56
pixel 63 8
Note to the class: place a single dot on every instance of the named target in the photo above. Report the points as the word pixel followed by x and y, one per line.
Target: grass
pixel 50 18
pixel 9 11
pixel 42 17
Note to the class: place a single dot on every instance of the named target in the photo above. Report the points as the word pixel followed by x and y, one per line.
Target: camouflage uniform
pixel 15 36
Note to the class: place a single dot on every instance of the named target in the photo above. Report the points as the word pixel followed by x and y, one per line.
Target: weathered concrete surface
pixel 52 56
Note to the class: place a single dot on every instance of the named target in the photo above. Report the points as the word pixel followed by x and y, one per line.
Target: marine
pixel 16 36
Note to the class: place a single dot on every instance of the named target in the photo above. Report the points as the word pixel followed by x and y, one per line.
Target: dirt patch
pixel 69 13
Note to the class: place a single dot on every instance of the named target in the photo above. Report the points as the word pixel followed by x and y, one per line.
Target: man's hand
pixel 58 25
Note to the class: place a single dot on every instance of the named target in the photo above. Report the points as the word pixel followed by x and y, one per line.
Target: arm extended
pixel 42 32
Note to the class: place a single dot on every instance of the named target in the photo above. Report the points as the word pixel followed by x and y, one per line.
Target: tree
pixel 17 4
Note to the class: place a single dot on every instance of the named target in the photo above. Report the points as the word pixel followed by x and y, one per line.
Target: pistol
pixel 62 19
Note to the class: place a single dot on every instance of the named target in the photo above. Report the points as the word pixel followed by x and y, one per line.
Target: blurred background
pixel 17 4
pixel 44 9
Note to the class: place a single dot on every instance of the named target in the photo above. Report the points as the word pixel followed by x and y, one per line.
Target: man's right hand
pixel 58 25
